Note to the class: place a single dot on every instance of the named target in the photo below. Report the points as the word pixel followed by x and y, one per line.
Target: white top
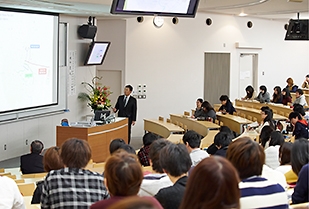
pixel 197 155
pixel 272 156
pixel 284 168
pixel 274 176
pixel 153 182
pixel 259 129
pixel 10 196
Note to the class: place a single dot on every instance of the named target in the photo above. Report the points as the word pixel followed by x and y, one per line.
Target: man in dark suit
pixel 33 162
pixel 127 107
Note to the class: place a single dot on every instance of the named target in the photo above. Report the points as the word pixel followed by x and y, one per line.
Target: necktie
pixel 125 100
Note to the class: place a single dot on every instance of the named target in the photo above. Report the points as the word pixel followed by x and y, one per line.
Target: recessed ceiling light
pixel 242 14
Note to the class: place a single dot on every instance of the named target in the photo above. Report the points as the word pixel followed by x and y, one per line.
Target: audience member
pixel 227 106
pixel 306 82
pixel 290 85
pixel 212 149
pixel 10 196
pixel 136 203
pixel 115 145
pixel 250 93
pixel 272 152
pixel 208 112
pixel 263 95
pixel 128 148
pixel 199 110
pixel 300 165
pixel 143 153
pixel 156 180
pixel 222 141
pixel 300 109
pixel 300 125
pixel 248 158
pixel 73 186
pixel 218 190
pixel 33 162
pixel 267 119
pixel 51 161
pixel 277 96
pixel 286 96
pixel 192 140
pixel 300 98
pixel 175 161
pixel 285 157
pixel 265 136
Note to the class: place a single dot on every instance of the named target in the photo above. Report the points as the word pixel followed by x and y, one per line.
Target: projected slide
pixel 97 53
pixel 176 6
pixel 28 54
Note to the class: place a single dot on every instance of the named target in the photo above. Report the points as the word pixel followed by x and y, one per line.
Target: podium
pixel 98 137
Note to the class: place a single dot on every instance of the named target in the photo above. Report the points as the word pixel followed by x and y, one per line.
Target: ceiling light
pixel 242 14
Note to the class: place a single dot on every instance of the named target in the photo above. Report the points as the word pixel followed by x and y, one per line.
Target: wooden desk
pixel 98 137
pixel 235 123
pixel 257 113
pixel 175 138
pixel 306 96
pixel 161 128
pixel 201 127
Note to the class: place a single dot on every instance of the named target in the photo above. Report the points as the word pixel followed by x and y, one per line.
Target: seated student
pixel 300 125
pixel 286 96
pixel 285 157
pixel 212 149
pixel 128 149
pixel 51 161
pixel 248 158
pixel 267 119
pixel 272 152
pixel 222 141
pixel 123 178
pixel 290 85
pixel 80 187
pixel 208 112
pixel 136 203
pixel 10 196
pixel 250 93
pixel 199 110
pixel 192 140
pixel 263 95
pixel 265 136
pixel 300 109
pixel 277 96
pixel 300 98
pixel 305 85
pixel 227 106
pixel 156 180
pixel 33 162
pixel 218 188
pixel 115 145
pixel 176 162
pixel 143 153
pixel 300 166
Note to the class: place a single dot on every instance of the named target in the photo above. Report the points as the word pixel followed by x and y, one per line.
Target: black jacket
pixel 31 163
pixel 128 111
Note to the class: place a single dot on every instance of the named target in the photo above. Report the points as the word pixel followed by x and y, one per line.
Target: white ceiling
pixel 269 9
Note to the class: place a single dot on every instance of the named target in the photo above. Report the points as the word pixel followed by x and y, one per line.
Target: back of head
pixel 52 160
pixel 36 147
pixel 175 159
pixel 300 91
pixel 148 138
pixel 227 130
pixel 247 156
pixel 265 135
pixel 299 154
pixel 115 144
pixel 134 203
pixel 192 138
pixel 75 153
pixel 276 138
pixel 222 139
pixel 127 148
pixel 299 108
pixel 287 92
pixel 285 153
pixel 224 98
pixel 154 154
pixel 123 174
pixel 219 189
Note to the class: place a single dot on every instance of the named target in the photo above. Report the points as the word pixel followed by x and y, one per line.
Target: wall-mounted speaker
pixel 87 31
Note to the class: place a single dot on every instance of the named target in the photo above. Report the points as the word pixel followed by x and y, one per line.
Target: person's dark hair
pixel 207 106
pixel 251 90
pixel 227 130
pixel 193 139
pixel 287 93
pixel 276 138
pixel 224 98
pixel 277 97
pixel 265 135
pixel 175 159
pixel 148 138
pixel 263 88
pixel 36 147
pixel 200 100
pixel 299 108
pixel 269 116
pixel 134 202
pixel 300 91
pixel 222 139
pixel 295 115
pixel 154 154
pixel 129 87
pixel 307 76
pixel 123 174
pixel 247 156
pixel 285 153
pixel 75 153
pixel 290 81
pixel 299 154
pixel 222 181
pixel 115 145
pixel 127 148
pixel 52 160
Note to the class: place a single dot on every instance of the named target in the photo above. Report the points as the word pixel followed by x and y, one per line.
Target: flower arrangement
pixel 97 95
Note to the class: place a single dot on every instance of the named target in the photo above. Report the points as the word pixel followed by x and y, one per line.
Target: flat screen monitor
pixel 179 8
pixel 97 53
pixel 297 30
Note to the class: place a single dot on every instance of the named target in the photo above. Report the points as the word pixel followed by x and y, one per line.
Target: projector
pixel 87 31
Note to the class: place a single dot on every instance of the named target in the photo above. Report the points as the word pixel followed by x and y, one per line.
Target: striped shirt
pixel 258 192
